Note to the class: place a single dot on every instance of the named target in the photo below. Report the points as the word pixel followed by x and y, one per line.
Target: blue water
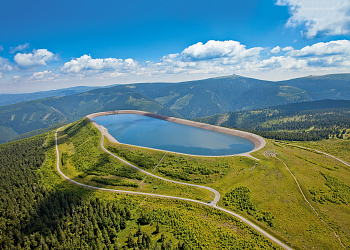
pixel 159 134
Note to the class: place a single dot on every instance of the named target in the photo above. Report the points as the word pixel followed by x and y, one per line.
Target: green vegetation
pixel 174 166
pixel 239 198
pixel 265 194
pixel 87 163
pixel 190 100
pixel 315 163
pixel 275 200
pixel 21 118
pixel 142 159
pixel 115 182
pixel 338 192
pixel 336 147
pixel 274 190
pixel 307 121
pixel 41 211
pixel 37 132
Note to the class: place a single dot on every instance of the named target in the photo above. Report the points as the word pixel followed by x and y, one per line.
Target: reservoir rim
pixel 258 141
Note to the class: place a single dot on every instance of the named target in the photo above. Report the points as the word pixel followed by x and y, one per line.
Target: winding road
pixel 211 204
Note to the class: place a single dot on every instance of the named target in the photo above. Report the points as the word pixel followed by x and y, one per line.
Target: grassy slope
pixel 336 147
pixel 200 227
pixel 93 163
pixel 272 189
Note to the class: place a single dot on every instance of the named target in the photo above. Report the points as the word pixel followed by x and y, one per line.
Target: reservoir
pixel 155 133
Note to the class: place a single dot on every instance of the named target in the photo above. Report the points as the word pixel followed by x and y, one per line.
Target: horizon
pixel 112 85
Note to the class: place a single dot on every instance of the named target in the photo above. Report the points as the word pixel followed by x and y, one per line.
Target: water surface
pixel 154 133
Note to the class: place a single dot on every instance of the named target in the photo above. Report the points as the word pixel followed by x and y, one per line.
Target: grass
pixel 196 226
pixel 272 189
pixel 87 163
pixel 337 147
pixel 191 169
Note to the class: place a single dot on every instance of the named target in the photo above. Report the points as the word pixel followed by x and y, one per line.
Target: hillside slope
pixel 190 100
pixel 17 119
pixel 335 86
pixel 297 121
pixel 231 93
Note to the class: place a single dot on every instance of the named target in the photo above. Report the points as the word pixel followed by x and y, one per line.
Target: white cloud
pixel 340 47
pixel 37 58
pixel 0 75
pixel 86 65
pixel 5 65
pixel 20 47
pixel 329 17
pixel 276 50
pixel 218 49
pixel 1 48
pixel 217 58
pixel 44 75
pixel 288 48
pixel 214 58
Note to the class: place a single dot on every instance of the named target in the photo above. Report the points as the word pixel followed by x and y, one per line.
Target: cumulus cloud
pixel 319 16
pixel 218 49
pixel 86 65
pixel 20 47
pixel 275 50
pixel 340 47
pixel 1 48
pixel 37 58
pixel 212 58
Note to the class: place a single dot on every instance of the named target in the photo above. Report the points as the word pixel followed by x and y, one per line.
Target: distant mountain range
pixel 189 100
pixel 7 99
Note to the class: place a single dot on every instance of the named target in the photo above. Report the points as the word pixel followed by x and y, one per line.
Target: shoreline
pixel 258 141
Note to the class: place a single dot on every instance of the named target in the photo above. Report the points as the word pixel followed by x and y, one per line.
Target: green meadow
pixel 262 191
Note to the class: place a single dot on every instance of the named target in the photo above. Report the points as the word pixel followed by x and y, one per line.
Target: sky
pixel 48 45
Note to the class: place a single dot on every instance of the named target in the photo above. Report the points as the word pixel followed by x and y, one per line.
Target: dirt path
pixel 301 191
pixel 319 151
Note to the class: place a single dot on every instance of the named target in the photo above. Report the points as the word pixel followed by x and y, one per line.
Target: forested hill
pixel 40 210
pixel 231 93
pixel 191 99
pixel 298 121
pixel 20 118
pixel 335 86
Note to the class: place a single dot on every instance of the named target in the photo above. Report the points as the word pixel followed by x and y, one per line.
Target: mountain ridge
pixel 190 99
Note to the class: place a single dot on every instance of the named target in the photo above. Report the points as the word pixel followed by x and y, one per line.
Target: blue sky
pixel 56 44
